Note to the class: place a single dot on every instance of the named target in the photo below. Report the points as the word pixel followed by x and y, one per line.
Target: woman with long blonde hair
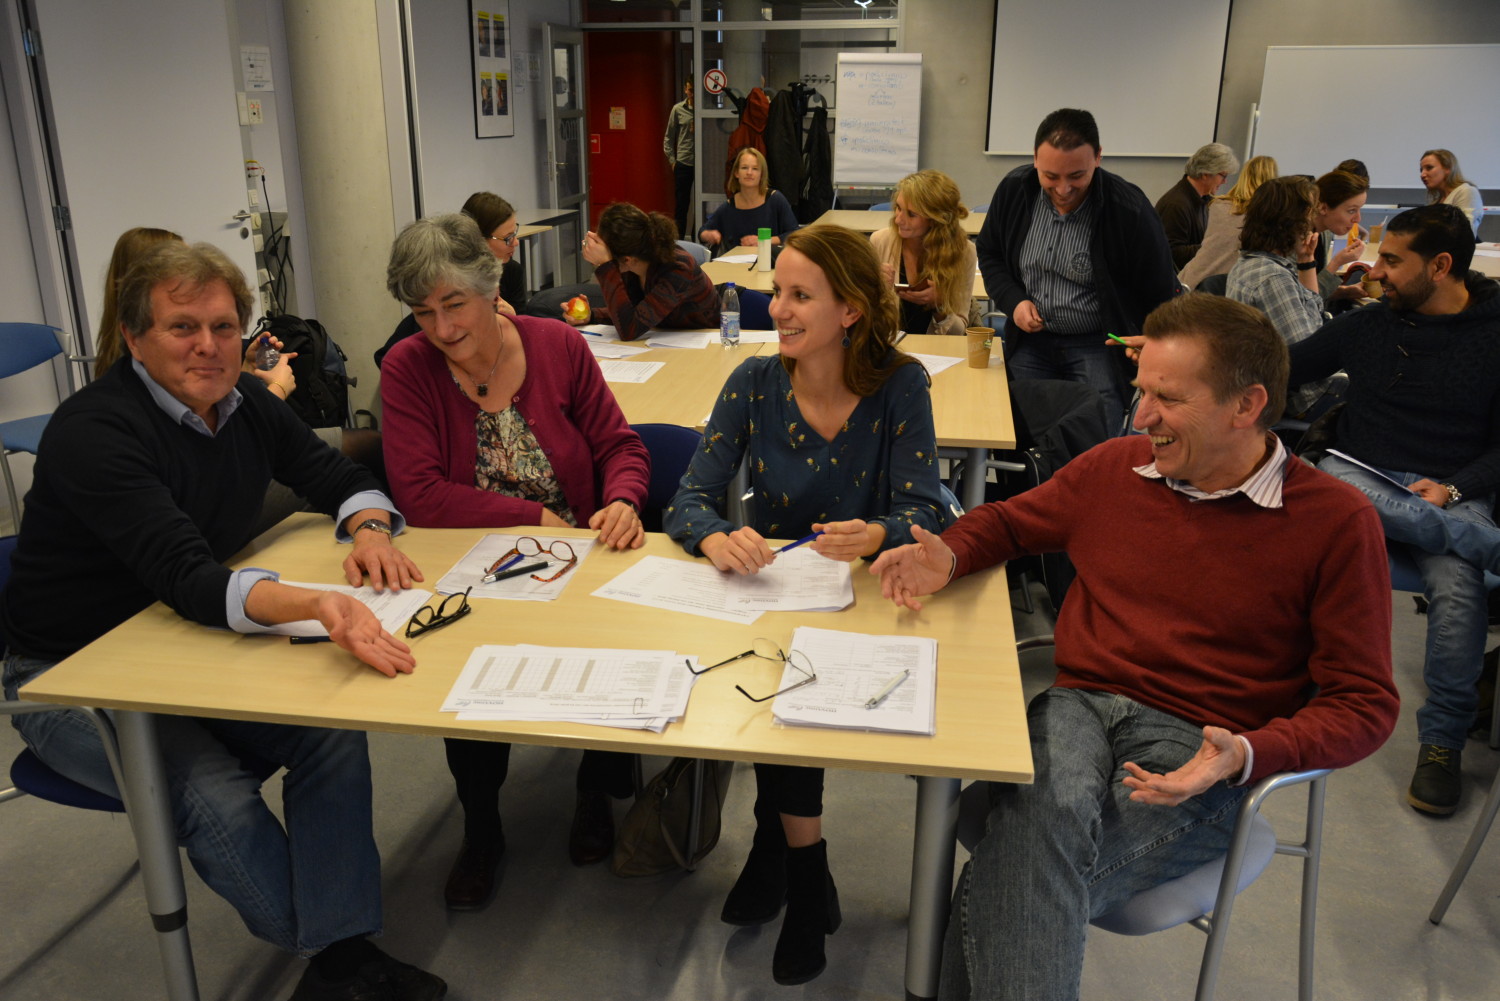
pixel 1445 183
pixel 927 255
pixel 1226 218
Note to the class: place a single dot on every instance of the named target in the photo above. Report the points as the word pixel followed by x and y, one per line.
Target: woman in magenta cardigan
pixel 494 420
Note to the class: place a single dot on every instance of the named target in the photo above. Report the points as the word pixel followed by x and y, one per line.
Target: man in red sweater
pixel 1230 619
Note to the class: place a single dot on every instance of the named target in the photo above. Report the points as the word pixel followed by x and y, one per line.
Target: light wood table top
pixel 970 406
pixel 531 229
pixel 684 390
pixel 159 662
pixel 745 276
pixel 868 221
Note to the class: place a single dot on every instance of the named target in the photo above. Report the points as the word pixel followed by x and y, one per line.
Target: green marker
pixel 1120 340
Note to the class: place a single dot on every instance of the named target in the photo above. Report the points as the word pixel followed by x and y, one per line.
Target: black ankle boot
pixel 812 911
pixel 760 891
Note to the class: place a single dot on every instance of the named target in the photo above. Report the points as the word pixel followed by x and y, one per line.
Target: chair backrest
pixel 699 252
pixel 1213 284
pixel 881 207
pixel 25 346
pixel 671 447
pixel 755 310
pixel 7 546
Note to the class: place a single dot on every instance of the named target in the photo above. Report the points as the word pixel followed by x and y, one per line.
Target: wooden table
pixel 745 276
pixel 869 220
pixel 159 663
pixel 684 390
pixel 970 407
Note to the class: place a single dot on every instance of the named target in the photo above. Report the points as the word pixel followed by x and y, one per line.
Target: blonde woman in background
pixel 1445 183
pixel 927 256
pixel 1226 217
pixel 129 248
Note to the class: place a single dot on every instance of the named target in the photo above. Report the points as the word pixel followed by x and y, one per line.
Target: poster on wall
pixel 489 22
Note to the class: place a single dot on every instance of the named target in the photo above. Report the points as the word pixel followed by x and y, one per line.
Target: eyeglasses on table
pixel 527 547
pixel 427 618
pixel 767 650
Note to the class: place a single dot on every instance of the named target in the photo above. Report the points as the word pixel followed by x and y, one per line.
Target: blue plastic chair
pixel 881 207
pixel 671 447
pixel 699 252
pixel 23 346
pixel 755 310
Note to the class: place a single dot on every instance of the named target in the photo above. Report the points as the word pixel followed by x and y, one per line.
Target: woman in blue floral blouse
pixel 837 431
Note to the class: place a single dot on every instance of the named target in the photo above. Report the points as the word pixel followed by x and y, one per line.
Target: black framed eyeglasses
pixel 509 241
pixel 427 617
pixel 767 650
pixel 526 546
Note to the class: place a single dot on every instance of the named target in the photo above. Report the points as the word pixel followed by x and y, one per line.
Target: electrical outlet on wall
pixel 253 111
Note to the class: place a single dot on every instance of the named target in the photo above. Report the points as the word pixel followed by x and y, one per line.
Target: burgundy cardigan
pixel 430 444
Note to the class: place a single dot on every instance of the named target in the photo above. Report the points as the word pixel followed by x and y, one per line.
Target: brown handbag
pixel 653 837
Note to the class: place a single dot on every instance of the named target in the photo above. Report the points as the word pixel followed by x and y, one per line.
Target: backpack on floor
pixel 322 394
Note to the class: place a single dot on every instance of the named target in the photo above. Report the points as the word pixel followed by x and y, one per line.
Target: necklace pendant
pixel 483 388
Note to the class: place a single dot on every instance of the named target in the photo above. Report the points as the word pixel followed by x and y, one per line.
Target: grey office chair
pixel 698 251
pixel 1471 851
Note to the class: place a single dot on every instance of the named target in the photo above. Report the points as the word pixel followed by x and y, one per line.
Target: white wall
pixel 18 286
pixel 454 164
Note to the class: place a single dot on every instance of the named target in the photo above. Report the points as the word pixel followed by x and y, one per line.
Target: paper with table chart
pixel 614 349
pixel 619 370
pixel 473 565
pixel 695 588
pixel 936 363
pixel 635 689
pixel 798 581
pixel 392 608
pixel 852 668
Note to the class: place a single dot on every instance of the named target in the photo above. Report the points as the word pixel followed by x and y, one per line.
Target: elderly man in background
pixel 1184 208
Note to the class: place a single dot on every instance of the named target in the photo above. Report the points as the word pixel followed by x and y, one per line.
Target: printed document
pixel 853 668
pixel 392 608
pixel 798 581
pixel 695 588
pixel 618 370
pixel 936 363
pixel 475 564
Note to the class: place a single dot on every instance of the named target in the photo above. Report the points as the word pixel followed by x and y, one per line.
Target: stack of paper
pixel 855 668
pixel 681 338
pixel 618 370
pixel 936 363
pixel 392 608
pixel 799 581
pixel 469 571
pixel 635 689
pixel 614 348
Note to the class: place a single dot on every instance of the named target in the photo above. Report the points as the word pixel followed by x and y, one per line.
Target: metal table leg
pixel 143 783
pixel 931 883
pixel 975 473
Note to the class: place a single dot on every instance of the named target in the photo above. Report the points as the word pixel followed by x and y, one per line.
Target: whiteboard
pixel 1148 70
pixel 879 117
pixel 1383 104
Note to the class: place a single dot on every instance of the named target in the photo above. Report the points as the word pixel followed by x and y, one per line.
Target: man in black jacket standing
pixel 1071 253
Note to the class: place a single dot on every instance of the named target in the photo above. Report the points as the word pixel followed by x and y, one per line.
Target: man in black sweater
pixel 1071 253
pixel 1424 412
pixel 145 482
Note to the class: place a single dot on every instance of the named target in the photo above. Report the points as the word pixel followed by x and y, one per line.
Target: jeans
pixel 301 887
pixel 1072 846
pixel 682 184
pixel 1075 358
pixel 1451 547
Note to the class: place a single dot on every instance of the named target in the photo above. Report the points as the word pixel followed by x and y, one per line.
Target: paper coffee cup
pixel 980 340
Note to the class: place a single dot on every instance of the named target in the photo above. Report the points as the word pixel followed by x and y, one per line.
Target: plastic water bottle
pixel 266 355
pixel 729 316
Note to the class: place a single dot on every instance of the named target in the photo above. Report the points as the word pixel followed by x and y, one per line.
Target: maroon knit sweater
pixel 1220 612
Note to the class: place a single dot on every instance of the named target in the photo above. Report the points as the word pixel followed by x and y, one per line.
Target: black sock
pixel 343 958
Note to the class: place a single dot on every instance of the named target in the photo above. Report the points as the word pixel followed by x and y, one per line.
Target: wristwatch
pixel 383 527
pixel 1453 495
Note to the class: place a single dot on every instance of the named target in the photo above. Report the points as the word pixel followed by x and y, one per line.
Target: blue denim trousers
pixel 1451 547
pixel 300 887
pixel 1072 846
pixel 1082 358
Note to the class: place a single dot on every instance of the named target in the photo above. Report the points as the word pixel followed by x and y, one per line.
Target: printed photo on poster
pixel 490 55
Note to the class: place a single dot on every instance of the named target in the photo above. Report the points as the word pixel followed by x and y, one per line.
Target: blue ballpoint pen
pixel 800 542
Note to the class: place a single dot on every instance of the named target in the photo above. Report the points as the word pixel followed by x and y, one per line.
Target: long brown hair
pixel 129 248
pixel 849 263
pixel 626 230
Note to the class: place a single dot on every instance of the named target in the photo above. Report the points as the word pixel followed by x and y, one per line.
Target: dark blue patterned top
pixel 880 467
